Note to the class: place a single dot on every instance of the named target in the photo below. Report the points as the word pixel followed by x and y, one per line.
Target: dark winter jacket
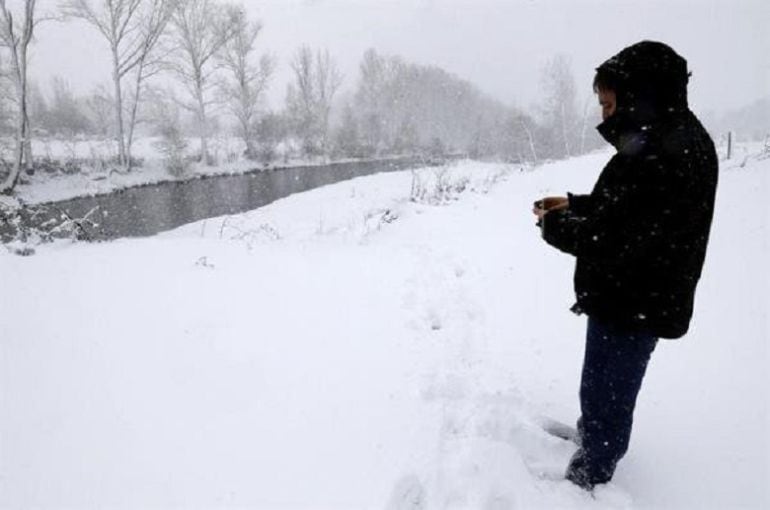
pixel 640 237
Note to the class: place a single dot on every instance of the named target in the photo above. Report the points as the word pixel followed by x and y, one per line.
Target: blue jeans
pixel 613 368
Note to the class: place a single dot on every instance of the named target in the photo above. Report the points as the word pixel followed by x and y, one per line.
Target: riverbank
pixel 42 188
pixel 150 208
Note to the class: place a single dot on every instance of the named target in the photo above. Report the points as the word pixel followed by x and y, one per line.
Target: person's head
pixel 644 80
pixel 607 101
pixel 605 84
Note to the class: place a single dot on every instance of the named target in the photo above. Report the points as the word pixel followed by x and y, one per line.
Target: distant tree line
pixel 210 49
pixel 402 107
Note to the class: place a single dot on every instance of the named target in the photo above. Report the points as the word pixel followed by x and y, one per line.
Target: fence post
pixel 729 144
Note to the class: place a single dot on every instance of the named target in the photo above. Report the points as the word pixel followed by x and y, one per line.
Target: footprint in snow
pixel 497 502
pixel 408 494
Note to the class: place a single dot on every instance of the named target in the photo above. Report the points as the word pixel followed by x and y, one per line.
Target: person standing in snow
pixel 639 238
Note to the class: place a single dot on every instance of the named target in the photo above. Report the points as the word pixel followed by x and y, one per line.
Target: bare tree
pixel 64 114
pixel 369 98
pixel 309 98
pixel 328 81
pixel 270 129
pixel 165 114
pixel 560 107
pixel 5 94
pixel 245 84
pixel 199 29
pixel 99 107
pixel 132 29
pixel 347 140
pixel 16 39
pixel 401 105
pixel 300 99
pixel 527 128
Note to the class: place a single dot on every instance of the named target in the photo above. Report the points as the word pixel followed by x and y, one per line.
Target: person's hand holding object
pixel 546 204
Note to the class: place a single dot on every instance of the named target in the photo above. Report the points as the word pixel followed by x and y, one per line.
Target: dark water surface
pixel 150 209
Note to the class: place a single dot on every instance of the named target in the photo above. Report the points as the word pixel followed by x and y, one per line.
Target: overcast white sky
pixel 499 45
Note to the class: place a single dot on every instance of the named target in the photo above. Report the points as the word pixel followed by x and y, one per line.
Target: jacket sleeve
pixel 625 220
pixel 580 205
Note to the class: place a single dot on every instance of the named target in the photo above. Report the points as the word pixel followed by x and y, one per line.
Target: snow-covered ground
pixel 350 348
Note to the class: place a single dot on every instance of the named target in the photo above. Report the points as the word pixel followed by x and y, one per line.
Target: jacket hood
pixel 650 81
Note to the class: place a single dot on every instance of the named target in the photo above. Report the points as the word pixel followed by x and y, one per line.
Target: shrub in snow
pixel 115 165
pixel 5 167
pixel 20 249
pixel 50 165
pixel 238 229
pixel 172 145
pixel 346 138
pixel 437 187
pixel 375 219
pixel 6 156
pixel 20 225
pixel 436 147
pixel 269 131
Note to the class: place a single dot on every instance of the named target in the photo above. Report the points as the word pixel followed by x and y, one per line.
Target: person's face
pixel 607 101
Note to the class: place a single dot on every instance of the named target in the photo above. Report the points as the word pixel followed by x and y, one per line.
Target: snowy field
pixel 350 348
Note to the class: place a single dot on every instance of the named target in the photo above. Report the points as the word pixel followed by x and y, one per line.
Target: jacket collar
pixel 620 129
pixel 613 127
pixel 627 129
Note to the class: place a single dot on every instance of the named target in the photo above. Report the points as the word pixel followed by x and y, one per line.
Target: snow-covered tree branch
pixel 309 98
pixel 16 38
pixel 244 82
pixel 132 29
pixel 198 31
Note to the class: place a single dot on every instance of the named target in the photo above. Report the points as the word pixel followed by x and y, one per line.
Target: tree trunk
pixel 19 71
pixel 565 134
pixel 134 109
pixel 246 118
pixel 28 161
pixel 531 142
pixel 18 154
pixel 204 135
pixel 585 127
pixel 202 123
pixel 119 132
pixel 248 138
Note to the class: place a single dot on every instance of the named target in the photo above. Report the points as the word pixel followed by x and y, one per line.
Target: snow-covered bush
pixel 269 131
pixel 437 186
pixel 172 145
pixel 25 227
pixel 346 138
pixel 171 141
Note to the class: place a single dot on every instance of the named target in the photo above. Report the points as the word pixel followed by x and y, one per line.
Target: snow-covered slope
pixel 350 348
